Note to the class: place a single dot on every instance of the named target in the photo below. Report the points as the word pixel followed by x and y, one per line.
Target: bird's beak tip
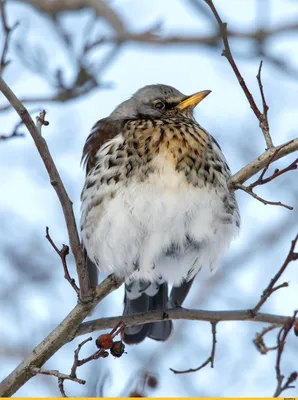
pixel 194 100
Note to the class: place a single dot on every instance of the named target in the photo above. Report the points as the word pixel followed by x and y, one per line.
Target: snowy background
pixel 34 297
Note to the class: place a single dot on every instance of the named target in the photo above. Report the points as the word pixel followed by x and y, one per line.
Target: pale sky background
pixel 28 203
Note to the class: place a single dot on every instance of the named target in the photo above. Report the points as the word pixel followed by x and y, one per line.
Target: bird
pixel 156 208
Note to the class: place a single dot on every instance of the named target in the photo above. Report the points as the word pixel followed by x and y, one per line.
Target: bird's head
pixel 158 101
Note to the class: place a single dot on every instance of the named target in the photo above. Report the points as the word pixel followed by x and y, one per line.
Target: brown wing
pixel 104 130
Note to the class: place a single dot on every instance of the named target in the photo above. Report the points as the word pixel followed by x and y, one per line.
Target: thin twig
pixel 259 339
pixel 63 254
pixel 281 341
pixel 101 353
pixel 66 204
pixel 40 121
pixel 264 124
pixel 14 134
pixel 271 288
pixel 210 359
pixel 62 334
pixel 7 33
pixel 57 374
pixel 262 117
pixel 262 181
pixel 261 162
pixel 255 196
pixel 61 387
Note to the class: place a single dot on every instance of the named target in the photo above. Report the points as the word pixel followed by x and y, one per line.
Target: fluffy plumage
pixel 155 205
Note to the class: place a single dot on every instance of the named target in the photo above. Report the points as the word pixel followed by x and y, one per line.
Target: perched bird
pixel 156 207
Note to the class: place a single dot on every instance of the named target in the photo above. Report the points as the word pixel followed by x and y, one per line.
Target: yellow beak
pixel 193 100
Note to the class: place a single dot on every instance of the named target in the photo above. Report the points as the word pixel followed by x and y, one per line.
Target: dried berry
pixel 152 382
pixel 105 354
pixel 104 342
pixel 117 349
pixel 135 394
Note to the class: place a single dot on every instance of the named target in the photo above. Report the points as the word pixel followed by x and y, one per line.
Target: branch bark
pixel 260 162
pixel 56 182
pixel 64 333
pixel 179 314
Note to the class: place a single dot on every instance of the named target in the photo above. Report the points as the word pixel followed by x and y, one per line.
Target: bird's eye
pixel 159 105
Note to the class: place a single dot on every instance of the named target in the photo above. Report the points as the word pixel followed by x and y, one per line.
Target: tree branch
pixel 264 124
pixel 210 359
pixel 255 196
pixel 292 256
pixel 259 339
pixel 262 117
pixel 66 204
pixel 64 333
pixel 281 341
pixel 7 32
pixel 259 163
pixel 63 254
pixel 101 8
pixel 179 314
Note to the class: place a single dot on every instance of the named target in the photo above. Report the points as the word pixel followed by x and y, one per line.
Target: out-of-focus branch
pixel 61 96
pixel 66 204
pixel 101 8
pixel 64 332
pixel 210 359
pixel 7 32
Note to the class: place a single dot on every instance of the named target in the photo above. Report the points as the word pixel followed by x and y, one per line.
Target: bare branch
pixel 62 334
pixel 66 204
pixel 259 340
pixel 264 124
pixel 103 345
pixel 281 341
pixel 262 117
pixel 179 314
pixel 261 181
pixel 14 134
pixel 261 162
pixel 101 8
pixel 7 33
pixel 63 254
pixel 292 256
pixel 57 374
pixel 62 96
pixel 255 196
pixel 210 359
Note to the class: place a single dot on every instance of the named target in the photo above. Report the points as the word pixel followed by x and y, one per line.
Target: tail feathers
pixel 136 334
pixel 157 300
pixel 92 270
pixel 179 293
pixel 160 330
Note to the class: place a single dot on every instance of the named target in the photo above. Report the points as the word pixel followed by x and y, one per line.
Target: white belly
pixel 129 233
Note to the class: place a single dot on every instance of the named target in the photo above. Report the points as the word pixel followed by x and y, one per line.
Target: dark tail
pixel 142 297
pixel 179 293
pixel 92 270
